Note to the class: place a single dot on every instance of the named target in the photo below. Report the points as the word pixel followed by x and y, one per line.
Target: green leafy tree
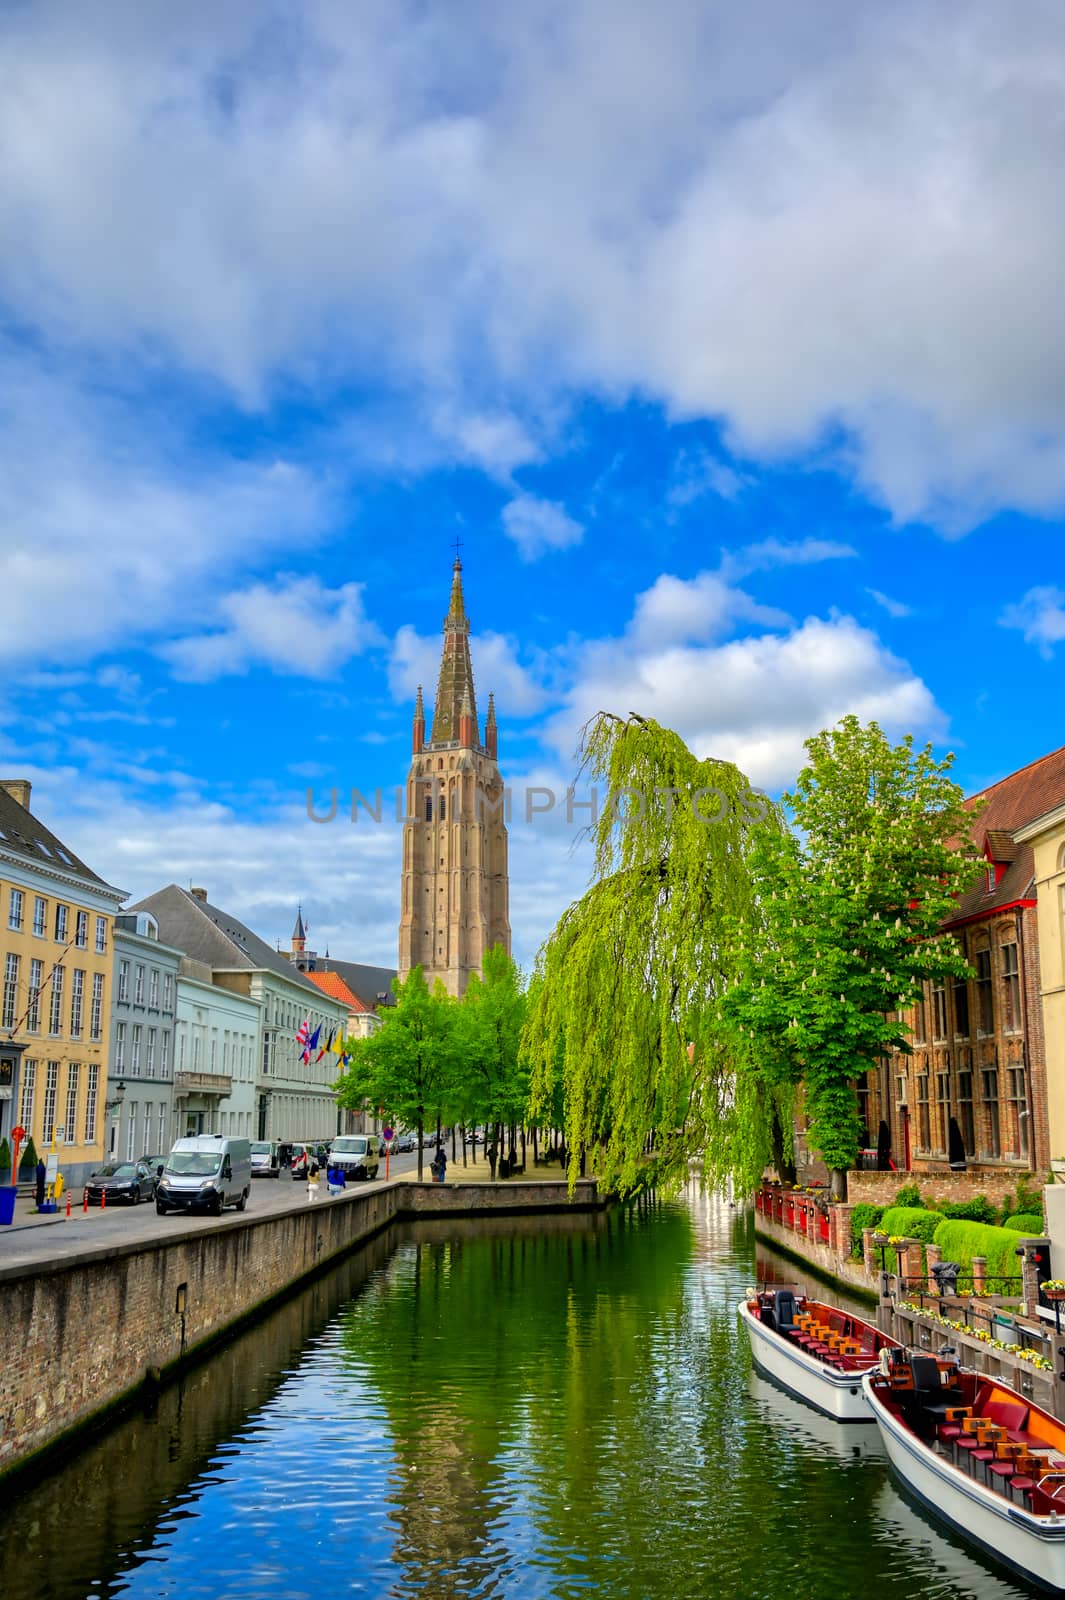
pixel 624 1004
pixel 407 1065
pixel 850 909
pixel 492 1081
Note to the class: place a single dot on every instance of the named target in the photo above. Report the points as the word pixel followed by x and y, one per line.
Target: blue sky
pixel 728 346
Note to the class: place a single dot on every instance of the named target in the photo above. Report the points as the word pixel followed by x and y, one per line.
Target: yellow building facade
pixel 56 926
pixel 1046 835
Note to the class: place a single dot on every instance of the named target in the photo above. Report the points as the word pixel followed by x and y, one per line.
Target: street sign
pixel 387 1133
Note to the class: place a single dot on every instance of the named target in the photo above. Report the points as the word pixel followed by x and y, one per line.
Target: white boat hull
pixel 837 1394
pixel 1034 1546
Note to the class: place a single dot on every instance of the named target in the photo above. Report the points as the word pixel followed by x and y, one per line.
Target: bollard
pixel 68 1206
pixel 103 1199
pixel 85 1201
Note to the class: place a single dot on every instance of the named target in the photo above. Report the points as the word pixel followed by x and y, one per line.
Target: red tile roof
pixel 1009 804
pixel 332 984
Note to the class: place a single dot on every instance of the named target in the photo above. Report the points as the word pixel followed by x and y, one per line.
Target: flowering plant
pixel 1053 1286
pixel 1021 1351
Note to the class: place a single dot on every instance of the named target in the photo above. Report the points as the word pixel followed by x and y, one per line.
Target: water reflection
pixel 526 1409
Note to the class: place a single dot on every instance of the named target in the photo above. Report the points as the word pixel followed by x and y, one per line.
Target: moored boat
pixel 815 1351
pixel 979 1455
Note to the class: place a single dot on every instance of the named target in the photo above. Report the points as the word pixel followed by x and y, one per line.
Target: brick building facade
pixel 972 1094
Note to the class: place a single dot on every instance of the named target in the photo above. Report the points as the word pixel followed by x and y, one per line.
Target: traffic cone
pixel 85 1201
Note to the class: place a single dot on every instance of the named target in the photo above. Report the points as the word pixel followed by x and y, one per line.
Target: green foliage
pixel 5 1156
pixel 408 1065
pixel 1030 1222
pixel 28 1156
pixel 851 905
pixel 961 1241
pixel 978 1209
pixel 623 1012
pixel 1024 1198
pixel 863 1216
pixel 912 1222
pixel 491 1083
pixel 909 1195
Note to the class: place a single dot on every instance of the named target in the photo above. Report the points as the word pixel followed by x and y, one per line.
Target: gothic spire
pixel 456 669
pixel 298 931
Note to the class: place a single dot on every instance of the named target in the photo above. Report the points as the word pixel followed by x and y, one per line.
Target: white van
pixel 266 1159
pixel 358 1153
pixel 205 1173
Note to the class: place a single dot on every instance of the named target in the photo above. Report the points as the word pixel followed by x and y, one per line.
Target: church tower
pixel 455 885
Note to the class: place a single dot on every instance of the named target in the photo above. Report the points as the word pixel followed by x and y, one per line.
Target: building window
pixel 29 1083
pixel 153 988
pixel 123 980
pixel 33 1012
pixel 168 992
pixel 149 1054
pixel 942 1111
pixel 81 930
pixel 939 1011
pixel 96 1013
pixel 40 915
pixel 961 1008
pixel 266 1054
pixel 77 1001
pixel 162 1145
pixel 61 924
pixel 924 1132
pixel 120 1048
pixel 51 1085
pixel 138 986
pixel 55 1020
pixel 14 910
pixel 994 1135
pixel 135 1050
pixel 164 1055
pixel 1011 990
pixel 985 1000
pixel 1019 1110
pixel 8 1014
pixel 131 1133
pixel 92 1089
pixel 965 1112
pixel 919 1035
pixel 101 935
pixel 70 1126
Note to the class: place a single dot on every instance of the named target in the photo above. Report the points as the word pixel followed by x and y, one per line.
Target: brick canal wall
pixel 84 1332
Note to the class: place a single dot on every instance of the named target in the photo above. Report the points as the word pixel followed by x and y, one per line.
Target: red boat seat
pixel 1009 1414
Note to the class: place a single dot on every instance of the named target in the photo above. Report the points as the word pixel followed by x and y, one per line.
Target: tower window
pixel 443 808
pixel 428 808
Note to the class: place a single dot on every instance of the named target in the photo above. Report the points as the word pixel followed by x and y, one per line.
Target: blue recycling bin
pixel 8 1196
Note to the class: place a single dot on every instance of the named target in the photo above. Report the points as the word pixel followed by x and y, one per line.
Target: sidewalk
pixel 478 1170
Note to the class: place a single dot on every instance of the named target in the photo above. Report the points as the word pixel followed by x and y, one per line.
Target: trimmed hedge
pixel 863 1216
pixel 913 1222
pixel 960 1241
pixel 1029 1222
pixel 978 1209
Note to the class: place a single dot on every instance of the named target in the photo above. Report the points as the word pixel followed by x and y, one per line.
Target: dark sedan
pixel 131 1181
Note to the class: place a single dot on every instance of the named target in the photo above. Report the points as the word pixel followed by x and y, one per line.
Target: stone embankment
pixel 86 1330
pixel 988 1337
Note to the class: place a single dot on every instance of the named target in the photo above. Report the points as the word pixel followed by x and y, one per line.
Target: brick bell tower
pixel 456 891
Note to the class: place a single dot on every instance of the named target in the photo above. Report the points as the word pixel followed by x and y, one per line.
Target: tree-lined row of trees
pixel 439 1061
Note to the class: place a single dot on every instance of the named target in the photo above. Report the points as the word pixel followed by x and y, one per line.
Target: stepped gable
pixel 1009 804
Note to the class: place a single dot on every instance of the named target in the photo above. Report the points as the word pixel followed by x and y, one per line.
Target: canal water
pixel 546 1408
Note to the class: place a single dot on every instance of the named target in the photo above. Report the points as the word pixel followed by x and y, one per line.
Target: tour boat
pixel 814 1350
pixel 977 1454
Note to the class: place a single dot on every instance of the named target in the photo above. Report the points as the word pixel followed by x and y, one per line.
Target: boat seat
pixel 1009 1414
pixel 1021 1489
pixel 999 1473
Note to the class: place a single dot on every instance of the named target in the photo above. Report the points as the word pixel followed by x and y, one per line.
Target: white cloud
pixel 537 526
pixel 769 553
pixel 676 610
pixel 1040 615
pixel 832 227
pixel 752 700
pixel 894 608
pixel 698 473
pixel 294 625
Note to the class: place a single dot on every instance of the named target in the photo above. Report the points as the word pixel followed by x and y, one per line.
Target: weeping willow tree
pixel 624 1008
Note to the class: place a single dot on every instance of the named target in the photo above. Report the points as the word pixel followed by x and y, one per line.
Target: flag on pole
pixel 311 1045
pixel 303 1031
pixel 326 1045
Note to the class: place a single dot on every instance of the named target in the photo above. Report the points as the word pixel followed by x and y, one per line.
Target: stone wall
pixel 880 1188
pixel 83 1332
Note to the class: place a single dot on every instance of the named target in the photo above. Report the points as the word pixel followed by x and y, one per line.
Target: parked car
pixel 358 1153
pixel 304 1157
pixel 131 1181
pixel 402 1142
pixel 266 1159
pixel 156 1162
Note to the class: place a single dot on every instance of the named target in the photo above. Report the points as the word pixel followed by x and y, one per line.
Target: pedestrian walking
pixel 312 1183
pixel 335 1180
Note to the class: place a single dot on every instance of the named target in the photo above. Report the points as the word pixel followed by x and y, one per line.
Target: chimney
pixel 199 894
pixel 19 789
